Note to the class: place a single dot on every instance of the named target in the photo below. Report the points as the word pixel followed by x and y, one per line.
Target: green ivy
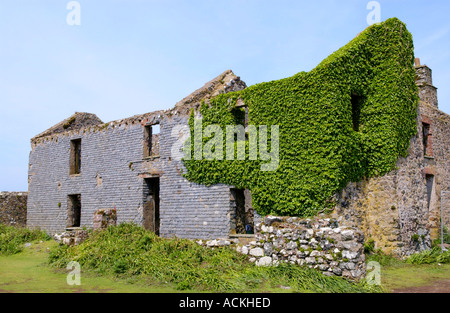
pixel 324 143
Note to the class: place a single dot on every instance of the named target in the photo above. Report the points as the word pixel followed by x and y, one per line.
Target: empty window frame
pixel 75 157
pixel 426 135
pixel 151 137
pixel 73 211
pixel 356 101
pixel 430 186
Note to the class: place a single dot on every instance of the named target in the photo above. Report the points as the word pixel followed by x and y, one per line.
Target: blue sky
pixel 134 56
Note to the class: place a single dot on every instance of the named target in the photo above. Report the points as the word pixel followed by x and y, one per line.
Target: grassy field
pixel 139 264
pixel 28 271
pixel 405 277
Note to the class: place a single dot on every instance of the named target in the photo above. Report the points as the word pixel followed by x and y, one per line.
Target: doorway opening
pixel 73 211
pixel 151 205
pixel 242 213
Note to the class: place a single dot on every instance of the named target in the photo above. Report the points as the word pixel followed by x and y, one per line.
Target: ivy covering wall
pixel 349 118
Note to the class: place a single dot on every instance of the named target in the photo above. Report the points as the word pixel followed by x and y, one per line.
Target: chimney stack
pixel 427 92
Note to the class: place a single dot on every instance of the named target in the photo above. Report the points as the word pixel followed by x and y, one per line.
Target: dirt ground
pixel 442 286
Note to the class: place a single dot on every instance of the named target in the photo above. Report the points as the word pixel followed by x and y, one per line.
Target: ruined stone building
pixel 402 210
pixel 82 164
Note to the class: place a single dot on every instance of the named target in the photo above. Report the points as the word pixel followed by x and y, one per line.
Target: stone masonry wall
pixel 438 165
pixel 105 180
pixel 113 173
pixel 403 204
pixel 187 209
pixel 318 243
pixel 13 208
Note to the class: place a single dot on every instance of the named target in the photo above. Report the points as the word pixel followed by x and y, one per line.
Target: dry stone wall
pixel 13 208
pixel 316 243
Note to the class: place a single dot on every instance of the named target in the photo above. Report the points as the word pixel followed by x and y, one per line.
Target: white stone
pixel 310 260
pixel 291 245
pixel 349 255
pixel 347 235
pixel 257 252
pixel 264 261
pixel 329 257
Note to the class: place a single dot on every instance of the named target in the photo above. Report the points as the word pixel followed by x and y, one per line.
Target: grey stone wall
pixel 318 243
pixel 187 209
pixel 112 176
pixel 13 208
pixel 105 181
pixel 113 172
pixel 438 165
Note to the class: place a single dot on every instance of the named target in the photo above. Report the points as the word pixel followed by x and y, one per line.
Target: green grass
pixel 12 239
pixel 28 271
pixel 431 256
pixel 128 259
pixel 130 252
pixel 420 269
pixel 404 275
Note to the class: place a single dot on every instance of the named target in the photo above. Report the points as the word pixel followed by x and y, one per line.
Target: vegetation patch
pixel 12 239
pixel 349 118
pixel 434 255
pixel 129 251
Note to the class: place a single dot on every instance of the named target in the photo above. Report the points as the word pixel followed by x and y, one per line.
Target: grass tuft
pixel 434 255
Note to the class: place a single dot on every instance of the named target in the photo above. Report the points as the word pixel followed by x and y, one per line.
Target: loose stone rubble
pixel 72 237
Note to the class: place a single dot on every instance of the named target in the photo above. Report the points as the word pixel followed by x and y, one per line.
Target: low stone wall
pixel 317 243
pixel 71 238
pixel 13 208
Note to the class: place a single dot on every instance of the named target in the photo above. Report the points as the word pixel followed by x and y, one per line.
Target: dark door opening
pixel 242 214
pixel 74 211
pixel 151 204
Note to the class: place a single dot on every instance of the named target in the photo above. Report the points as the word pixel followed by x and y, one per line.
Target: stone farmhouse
pixel 82 164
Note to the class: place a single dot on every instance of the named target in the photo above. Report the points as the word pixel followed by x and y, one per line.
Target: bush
pixel 434 255
pixel 369 246
pixel 12 239
pixel 129 251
